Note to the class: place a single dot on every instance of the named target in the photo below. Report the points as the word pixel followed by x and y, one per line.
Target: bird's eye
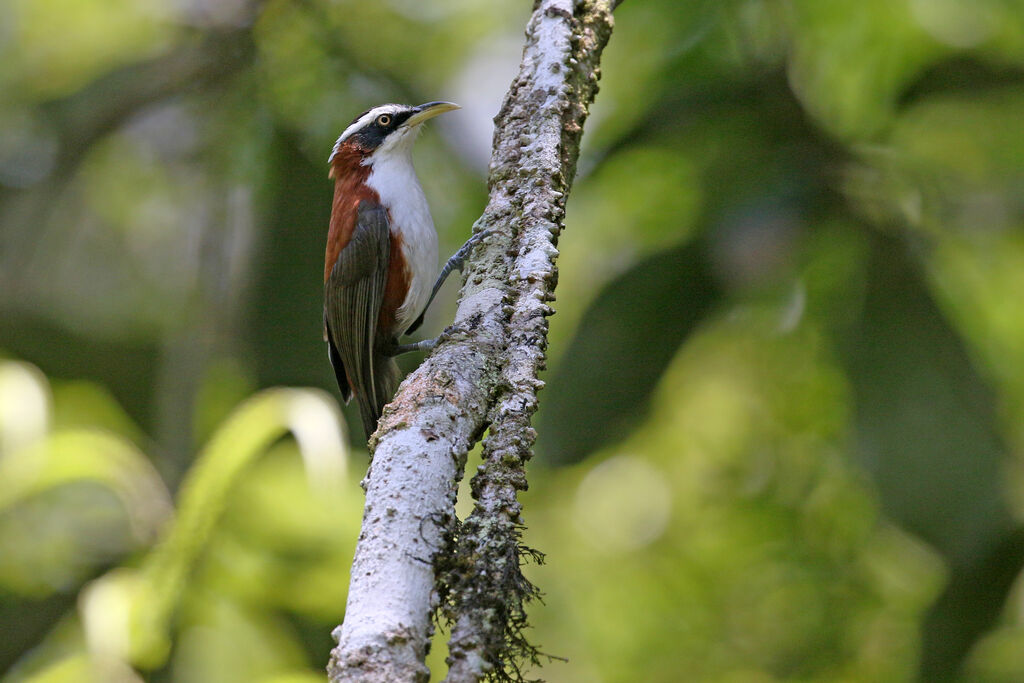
pixel 384 120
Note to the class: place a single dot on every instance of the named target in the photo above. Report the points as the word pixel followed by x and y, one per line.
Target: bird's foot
pixel 424 345
pixel 427 344
pixel 458 259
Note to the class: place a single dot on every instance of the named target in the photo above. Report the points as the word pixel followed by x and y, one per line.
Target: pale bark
pixel 484 374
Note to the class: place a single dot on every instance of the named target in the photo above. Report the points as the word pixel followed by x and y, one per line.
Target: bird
pixel 381 256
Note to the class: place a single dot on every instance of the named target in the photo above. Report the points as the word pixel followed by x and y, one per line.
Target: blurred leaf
pixel 294 64
pixel 225 384
pixel 953 164
pixel 83 405
pixel 765 171
pixel 286 326
pixel 969 608
pixel 640 200
pixel 849 61
pixel 651 39
pixel 54 530
pixel 926 422
pixel 73 456
pixel 36 64
pixel 926 430
pixel 126 369
pixel 733 540
pixel 225 642
pixel 976 280
pixel 24 623
pixel 24 405
pixel 61 655
pixel 963 74
pixel 140 604
pixel 57 539
pixel 284 546
pixel 78 668
pixel 600 389
pixel 997 657
pixel 304 677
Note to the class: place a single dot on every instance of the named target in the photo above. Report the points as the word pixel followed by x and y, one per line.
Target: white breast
pixel 394 179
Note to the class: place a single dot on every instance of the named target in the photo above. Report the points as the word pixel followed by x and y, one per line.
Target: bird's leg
pixel 399 349
pixel 396 349
pixel 456 262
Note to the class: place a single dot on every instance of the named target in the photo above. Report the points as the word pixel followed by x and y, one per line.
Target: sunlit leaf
pixel 57 520
pixel 283 545
pixel 24 405
pixel 226 642
pixel 77 456
pixel 87 405
pixel 152 594
pixel 37 63
pixel 850 60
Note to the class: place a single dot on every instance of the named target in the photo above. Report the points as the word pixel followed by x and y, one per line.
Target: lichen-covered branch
pixel 545 108
pixel 483 374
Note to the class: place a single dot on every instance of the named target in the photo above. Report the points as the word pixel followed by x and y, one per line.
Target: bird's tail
pixel 386 376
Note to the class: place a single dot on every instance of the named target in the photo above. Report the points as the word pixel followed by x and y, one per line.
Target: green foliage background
pixel 783 434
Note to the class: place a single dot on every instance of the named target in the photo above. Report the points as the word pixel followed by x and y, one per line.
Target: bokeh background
pixel 783 432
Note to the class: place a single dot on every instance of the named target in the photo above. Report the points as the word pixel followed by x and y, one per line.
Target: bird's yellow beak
pixel 429 111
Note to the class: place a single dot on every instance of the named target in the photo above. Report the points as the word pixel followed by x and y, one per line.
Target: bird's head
pixel 384 131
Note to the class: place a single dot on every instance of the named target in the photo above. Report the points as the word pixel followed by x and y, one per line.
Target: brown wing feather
pixel 353 295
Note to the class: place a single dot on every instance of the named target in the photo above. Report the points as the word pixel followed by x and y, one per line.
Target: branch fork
pixel 484 377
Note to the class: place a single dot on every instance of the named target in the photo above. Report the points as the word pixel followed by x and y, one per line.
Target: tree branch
pixel 483 373
pixel 546 106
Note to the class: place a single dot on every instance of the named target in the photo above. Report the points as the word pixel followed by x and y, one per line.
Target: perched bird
pixel 381 253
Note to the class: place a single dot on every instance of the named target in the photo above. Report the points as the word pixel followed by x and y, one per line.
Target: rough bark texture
pixel 484 373
pixel 536 145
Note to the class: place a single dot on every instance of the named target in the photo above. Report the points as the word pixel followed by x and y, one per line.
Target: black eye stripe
pixel 398 118
pixel 372 134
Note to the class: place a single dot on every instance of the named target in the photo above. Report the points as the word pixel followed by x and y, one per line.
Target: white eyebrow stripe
pixel 362 121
